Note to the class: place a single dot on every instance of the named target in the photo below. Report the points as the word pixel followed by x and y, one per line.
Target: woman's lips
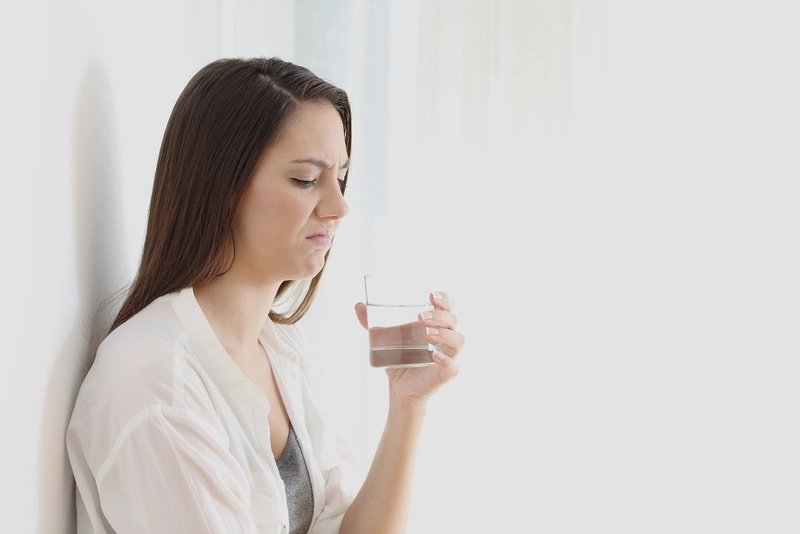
pixel 321 237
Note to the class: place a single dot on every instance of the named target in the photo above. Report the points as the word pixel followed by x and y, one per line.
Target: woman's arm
pixel 382 504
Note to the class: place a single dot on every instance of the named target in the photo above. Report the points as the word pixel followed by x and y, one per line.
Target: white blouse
pixel 168 434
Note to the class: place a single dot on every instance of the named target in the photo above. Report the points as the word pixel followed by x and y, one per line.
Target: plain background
pixel 609 189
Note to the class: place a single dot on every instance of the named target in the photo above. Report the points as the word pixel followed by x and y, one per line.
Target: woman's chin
pixel 312 269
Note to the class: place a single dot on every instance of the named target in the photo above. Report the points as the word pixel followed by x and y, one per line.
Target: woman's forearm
pixel 382 504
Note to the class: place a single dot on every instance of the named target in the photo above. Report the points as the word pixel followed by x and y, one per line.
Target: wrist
pixel 405 407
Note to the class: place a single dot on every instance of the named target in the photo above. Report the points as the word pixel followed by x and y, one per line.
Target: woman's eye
pixel 304 183
pixel 342 185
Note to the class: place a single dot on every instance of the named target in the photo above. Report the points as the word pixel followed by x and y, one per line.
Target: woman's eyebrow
pixel 322 164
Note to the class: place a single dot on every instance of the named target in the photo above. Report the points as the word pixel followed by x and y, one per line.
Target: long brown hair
pixel 229 112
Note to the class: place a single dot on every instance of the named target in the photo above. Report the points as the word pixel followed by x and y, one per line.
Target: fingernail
pixel 432 331
pixel 426 315
pixel 438 355
pixel 437 296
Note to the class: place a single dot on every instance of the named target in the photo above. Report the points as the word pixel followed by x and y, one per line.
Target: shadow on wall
pixel 100 270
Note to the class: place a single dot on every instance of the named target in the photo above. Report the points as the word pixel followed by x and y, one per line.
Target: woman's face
pixel 293 202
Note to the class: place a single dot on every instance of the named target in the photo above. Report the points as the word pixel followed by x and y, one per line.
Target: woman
pixel 200 412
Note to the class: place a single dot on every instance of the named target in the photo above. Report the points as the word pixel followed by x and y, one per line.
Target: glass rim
pixel 412 289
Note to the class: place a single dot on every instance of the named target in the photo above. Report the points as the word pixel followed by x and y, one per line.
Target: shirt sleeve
pixel 170 471
pixel 341 486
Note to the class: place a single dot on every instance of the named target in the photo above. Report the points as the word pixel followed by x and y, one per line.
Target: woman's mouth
pixel 322 237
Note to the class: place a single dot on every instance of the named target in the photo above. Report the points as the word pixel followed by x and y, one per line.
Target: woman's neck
pixel 236 311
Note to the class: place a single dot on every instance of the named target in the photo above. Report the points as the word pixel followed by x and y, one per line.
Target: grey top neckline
pixel 299 494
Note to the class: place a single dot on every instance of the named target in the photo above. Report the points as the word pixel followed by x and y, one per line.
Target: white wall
pixel 87 89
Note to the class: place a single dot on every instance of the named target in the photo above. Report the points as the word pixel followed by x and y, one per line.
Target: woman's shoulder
pixel 146 339
pixel 143 362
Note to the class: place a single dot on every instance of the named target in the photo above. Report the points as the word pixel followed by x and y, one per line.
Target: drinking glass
pixel 396 337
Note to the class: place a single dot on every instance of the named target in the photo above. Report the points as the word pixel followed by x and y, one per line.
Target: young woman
pixel 201 412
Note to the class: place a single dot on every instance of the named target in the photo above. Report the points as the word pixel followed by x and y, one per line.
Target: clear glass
pixel 396 337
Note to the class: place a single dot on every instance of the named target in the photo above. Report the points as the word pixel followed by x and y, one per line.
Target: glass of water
pixel 396 337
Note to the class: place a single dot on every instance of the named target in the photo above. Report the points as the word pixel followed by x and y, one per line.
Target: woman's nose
pixel 332 204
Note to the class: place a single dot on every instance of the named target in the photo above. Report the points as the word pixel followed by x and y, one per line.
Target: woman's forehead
pixel 314 134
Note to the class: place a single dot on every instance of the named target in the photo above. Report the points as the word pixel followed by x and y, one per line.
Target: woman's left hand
pixel 414 385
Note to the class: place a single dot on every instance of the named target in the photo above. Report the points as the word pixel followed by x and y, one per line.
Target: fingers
pixel 451 341
pixel 439 318
pixel 361 313
pixel 440 325
pixel 442 301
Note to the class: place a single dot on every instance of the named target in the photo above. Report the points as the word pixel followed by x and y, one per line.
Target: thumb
pixel 361 313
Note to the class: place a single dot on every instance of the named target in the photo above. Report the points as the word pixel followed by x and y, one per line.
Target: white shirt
pixel 169 436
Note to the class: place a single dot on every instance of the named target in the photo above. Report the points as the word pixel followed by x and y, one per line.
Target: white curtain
pixel 609 190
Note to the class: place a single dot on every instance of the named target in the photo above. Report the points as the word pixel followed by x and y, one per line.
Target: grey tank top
pixel 299 495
